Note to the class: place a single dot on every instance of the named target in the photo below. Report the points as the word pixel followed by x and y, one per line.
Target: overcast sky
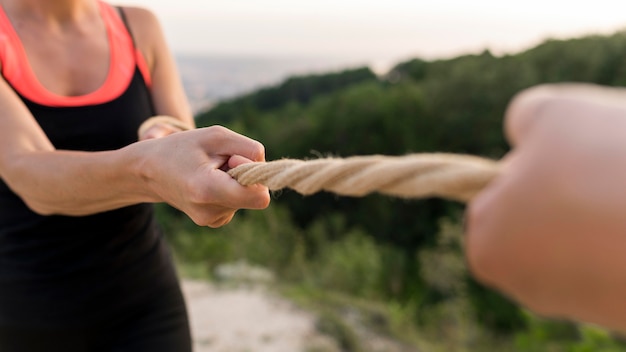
pixel 376 30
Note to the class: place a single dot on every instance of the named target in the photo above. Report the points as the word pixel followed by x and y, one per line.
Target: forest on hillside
pixel 401 256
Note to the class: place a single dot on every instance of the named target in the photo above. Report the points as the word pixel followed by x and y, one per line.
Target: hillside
pixel 402 255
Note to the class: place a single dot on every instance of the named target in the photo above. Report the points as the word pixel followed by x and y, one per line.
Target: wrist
pixel 137 159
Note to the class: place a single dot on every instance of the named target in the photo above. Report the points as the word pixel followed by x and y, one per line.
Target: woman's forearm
pixel 185 170
pixel 78 183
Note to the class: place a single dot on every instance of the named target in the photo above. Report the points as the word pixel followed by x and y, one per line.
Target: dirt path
pixel 248 319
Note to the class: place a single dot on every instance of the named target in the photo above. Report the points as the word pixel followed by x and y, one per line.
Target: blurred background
pixel 228 47
pixel 345 78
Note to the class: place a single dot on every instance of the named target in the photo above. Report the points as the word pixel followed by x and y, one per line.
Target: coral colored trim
pixel 143 67
pixel 123 60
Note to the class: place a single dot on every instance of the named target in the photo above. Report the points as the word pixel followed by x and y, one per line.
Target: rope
pixel 451 176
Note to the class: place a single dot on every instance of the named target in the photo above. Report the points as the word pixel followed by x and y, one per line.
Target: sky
pixel 376 32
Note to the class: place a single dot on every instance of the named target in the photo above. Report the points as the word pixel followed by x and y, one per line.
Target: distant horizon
pixel 377 32
pixel 212 77
pixel 380 66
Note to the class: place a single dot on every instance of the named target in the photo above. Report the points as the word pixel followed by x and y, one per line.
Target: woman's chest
pixel 68 66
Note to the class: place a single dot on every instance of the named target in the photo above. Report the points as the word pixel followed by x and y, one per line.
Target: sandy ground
pixel 248 320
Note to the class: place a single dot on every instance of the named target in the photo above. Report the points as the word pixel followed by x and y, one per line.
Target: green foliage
pixel 405 253
pixel 595 339
pixel 266 238
pixel 346 276
pixel 351 265
pixel 295 89
pixel 594 59
pixel 561 336
pixel 332 325
pixel 493 309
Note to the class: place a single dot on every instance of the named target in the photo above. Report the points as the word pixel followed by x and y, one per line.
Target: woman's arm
pixel 184 170
pixel 550 231
pixel 167 91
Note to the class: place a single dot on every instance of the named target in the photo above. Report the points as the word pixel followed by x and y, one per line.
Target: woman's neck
pixel 58 12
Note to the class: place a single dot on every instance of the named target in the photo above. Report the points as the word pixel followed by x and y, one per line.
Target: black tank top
pixel 71 270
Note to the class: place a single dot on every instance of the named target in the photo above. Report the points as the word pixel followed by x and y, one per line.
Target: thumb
pixel 236 160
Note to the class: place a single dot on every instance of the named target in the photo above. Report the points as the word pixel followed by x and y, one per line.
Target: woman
pixel 83 266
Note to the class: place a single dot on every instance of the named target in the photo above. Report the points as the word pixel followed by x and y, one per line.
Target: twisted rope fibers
pixel 451 176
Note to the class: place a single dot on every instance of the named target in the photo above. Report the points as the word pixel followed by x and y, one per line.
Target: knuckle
pixel 209 216
pixel 205 219
pixel 263 201
pixel 221 220
pixel 198 218
pixel 527 105
pixel 218 129
pixel 253 197
pixel 258 150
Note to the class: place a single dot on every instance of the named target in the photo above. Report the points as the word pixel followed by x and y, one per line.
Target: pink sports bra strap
pixel 125 58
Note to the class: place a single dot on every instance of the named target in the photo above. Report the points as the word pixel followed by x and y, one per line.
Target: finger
pixel 159 130
pixel 524 109
pixel 237 160
pixel 152 133
pixel 537 104
pixel 222 220
pixel 220 140
pixel 231 194
pixel 488 216
pixel 217 162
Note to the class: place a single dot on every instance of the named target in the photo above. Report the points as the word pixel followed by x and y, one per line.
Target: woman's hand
pixel 188 170
pixel 161 126
pixel 551 230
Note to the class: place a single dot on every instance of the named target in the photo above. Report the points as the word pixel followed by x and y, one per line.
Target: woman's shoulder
pixel 142 21
pixel 140 16
pixel 146 30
